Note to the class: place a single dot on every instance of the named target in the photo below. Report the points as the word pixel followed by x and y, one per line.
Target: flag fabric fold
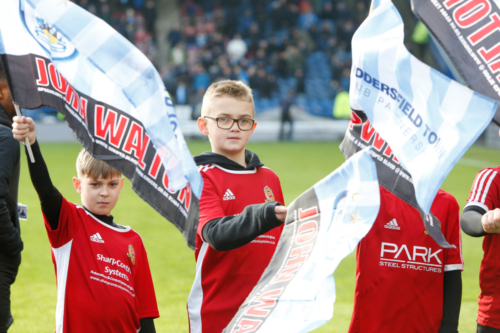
pixel 468 32
pixel 58 55
pixel 427 119
pixel 296 292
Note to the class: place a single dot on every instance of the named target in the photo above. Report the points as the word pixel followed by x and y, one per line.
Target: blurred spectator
pixel 286 117
pixel 236 49
pixel 181 93
pixel 178 55
pixel 201 78
pixel 174 36
pixel 328 12
pixel 345 80
pixel 307 16
pixel 150 16
pixel 300 86
pixel 341 107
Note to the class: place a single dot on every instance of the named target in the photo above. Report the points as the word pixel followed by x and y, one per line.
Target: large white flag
pixel 59 55
pixel 296 292
pixel 428 120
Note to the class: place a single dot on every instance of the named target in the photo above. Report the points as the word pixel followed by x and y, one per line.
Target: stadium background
pixel 284 44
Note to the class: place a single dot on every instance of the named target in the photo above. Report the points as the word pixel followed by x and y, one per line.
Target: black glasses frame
pixel 234 121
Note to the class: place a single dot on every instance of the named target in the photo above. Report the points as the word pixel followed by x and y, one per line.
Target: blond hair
pixel 230 88
pixel 87 165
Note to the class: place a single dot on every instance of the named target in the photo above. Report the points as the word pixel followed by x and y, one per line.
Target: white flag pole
pixel 26 141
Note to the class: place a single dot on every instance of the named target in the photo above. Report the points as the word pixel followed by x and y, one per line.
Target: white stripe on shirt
pixel 488 186
pixel 480 188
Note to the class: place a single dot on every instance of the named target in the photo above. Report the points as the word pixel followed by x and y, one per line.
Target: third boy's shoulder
pixel 444 204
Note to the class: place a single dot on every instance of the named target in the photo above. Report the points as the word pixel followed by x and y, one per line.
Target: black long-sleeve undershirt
pixel 51 201
pixel 230 232
pixel 452 298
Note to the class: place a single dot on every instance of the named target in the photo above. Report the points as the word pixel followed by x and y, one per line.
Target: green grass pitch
pixel 299 166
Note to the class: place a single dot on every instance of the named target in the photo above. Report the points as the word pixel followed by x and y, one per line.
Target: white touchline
pixel 474 163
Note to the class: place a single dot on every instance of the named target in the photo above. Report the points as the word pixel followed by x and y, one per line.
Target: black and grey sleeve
pixel 470 221
pixel 231 232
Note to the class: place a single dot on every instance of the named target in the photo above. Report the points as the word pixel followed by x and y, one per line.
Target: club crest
pixel 131 254
pixel 51 40
pixel 269 194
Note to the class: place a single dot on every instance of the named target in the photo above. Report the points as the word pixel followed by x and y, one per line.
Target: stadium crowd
pixel 274 46
pixel 269 45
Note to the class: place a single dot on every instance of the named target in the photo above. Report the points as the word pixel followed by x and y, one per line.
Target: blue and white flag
pixel 428 119
pixel 296 292
pixel 58 55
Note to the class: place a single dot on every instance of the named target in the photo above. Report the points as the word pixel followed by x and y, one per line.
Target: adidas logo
pixel 393 224
pixel 96 238
pixel 228 195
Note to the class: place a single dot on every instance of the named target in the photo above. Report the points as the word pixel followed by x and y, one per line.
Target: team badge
pixel 131 254
pixel 47 35
pixel 269 194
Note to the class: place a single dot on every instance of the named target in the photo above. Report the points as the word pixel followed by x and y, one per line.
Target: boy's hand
pixel 24 127
pixel 491 221
pixel 280 212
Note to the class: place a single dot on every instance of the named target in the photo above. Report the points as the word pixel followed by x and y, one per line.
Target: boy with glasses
pixel 241 212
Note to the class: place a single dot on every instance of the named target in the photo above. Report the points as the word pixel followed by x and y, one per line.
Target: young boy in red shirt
pixel 241 217
pixel 104 282
pixel 405 282
pixel 481 217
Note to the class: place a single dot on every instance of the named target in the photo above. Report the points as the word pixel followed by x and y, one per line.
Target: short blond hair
pixel 87 165
pixel 230 88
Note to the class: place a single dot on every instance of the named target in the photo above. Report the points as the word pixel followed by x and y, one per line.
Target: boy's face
pixel 99 195
pixel 227 142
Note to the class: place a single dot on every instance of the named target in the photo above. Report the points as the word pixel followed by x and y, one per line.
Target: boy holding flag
pixel 241 212
pixel 104 282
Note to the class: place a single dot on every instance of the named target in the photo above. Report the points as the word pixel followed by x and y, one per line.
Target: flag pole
pixel 26 141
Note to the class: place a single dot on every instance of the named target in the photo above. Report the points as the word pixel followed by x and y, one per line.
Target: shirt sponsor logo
pixel 417 258
pixel 113 262
pixel 228 195
pixel 269 194
pixel 392 224
pixel 96 238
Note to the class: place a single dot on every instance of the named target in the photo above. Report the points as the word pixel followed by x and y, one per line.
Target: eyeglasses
pixel 244 124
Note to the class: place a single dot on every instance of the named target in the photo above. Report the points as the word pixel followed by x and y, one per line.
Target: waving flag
pixel 468 31
pixel 297 290
pixel 428 120
pixel 58 55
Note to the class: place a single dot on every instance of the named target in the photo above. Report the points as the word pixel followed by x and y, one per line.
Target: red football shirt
pixel 485 193
pixel 103 279
pixel 224 279
pixel 400 268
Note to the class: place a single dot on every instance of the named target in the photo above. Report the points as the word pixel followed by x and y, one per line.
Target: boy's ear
pixel 202 126
pixel 122 181
pixel 254 126
pixel 78 185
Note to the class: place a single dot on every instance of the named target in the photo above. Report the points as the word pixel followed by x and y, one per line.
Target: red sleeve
pixel 210 205
pixel 485 190
pixel 453 259
pixel 69 223
pixel 143 285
